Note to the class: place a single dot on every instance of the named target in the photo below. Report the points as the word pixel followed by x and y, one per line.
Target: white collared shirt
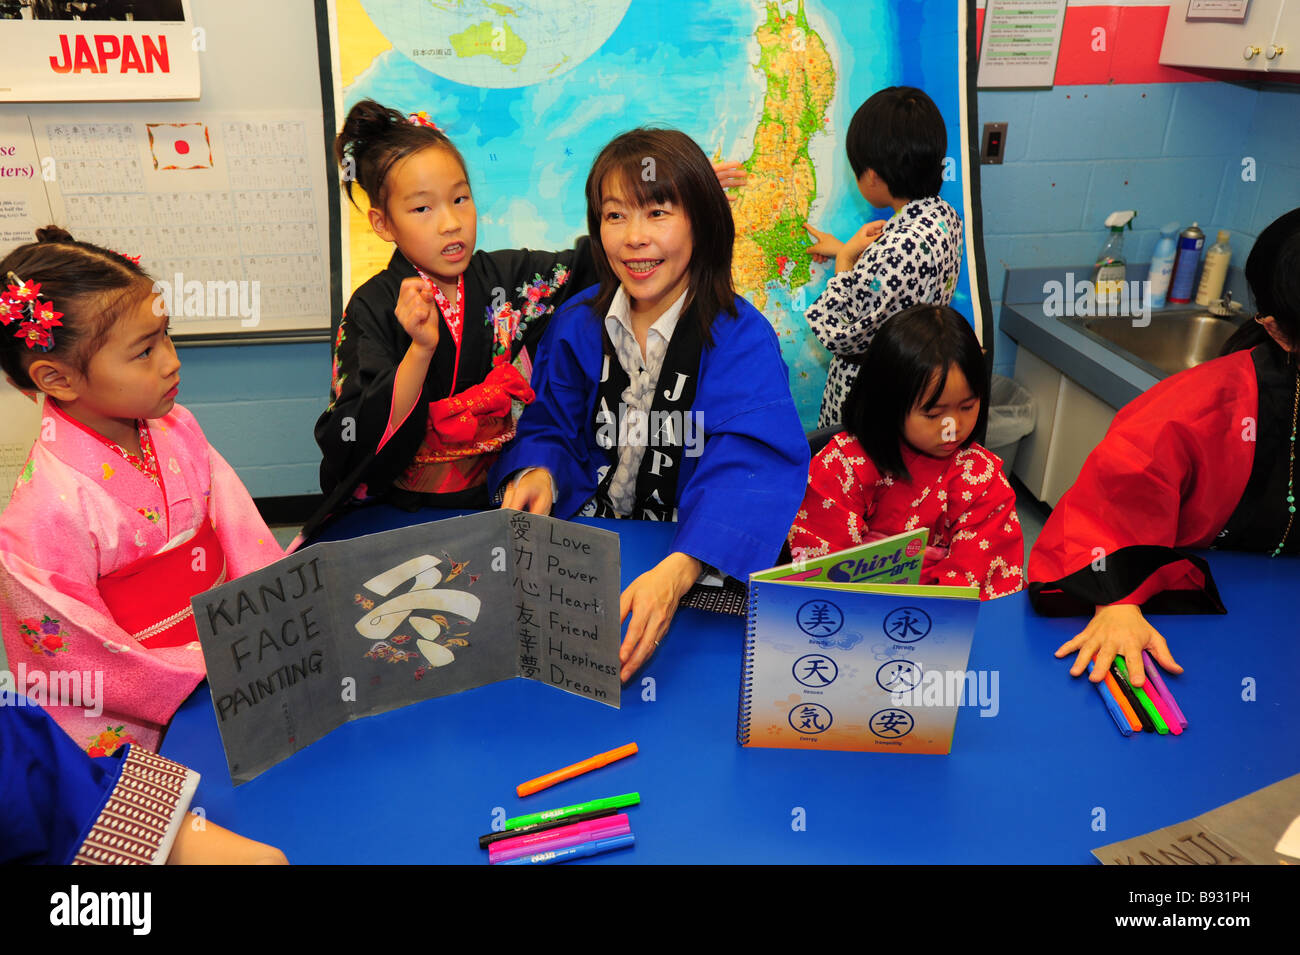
pixel 643 375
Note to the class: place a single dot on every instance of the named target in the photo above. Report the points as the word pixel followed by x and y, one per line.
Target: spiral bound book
pixel 872 668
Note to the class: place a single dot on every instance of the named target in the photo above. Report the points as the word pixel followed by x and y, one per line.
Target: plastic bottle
pixel 1215 271
pixel 1162 266
pixel 1109 270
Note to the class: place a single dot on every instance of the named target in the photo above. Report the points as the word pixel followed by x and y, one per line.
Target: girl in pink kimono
pixel 123 510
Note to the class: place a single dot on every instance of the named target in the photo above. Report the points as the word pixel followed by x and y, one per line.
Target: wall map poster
pixel 530 93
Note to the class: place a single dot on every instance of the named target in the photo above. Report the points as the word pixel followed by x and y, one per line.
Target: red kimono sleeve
pixel 987 548
pixel 1167 476
pixel 841 487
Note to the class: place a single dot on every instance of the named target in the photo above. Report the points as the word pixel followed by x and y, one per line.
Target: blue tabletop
pixel 1033 783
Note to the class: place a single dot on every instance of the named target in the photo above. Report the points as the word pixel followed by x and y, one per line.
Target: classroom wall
pixel 1119 131
pixel 258 403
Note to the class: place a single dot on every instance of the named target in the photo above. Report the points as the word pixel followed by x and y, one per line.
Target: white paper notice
pixel 24 206
pixel 1231 10
pixel 68 51
pixel 1020 44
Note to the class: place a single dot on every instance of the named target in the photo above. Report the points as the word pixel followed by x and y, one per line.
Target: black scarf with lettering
pixel 656 479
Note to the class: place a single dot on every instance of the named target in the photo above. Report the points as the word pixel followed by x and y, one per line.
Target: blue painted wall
pixel 1173 151
pixel 258 405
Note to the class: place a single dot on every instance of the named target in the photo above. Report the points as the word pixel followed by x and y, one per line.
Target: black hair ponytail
pixel 374 138
pixel 1273 273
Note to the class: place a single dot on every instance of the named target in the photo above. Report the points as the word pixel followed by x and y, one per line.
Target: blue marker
pixel 1111 704
pixel 574 852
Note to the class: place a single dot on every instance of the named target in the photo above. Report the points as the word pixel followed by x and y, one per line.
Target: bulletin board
pixel 227 199
pixel 530 93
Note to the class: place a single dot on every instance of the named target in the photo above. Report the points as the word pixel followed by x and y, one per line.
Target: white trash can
pixel 1011 417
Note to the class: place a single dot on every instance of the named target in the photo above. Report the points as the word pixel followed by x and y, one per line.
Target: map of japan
pixel 531 90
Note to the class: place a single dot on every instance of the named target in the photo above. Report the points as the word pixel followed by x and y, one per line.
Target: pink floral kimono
pixel 100 552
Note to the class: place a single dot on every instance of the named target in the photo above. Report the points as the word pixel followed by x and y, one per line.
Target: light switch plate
pixel 993 145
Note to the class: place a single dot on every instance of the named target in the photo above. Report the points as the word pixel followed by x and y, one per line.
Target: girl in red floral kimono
pixel 906 459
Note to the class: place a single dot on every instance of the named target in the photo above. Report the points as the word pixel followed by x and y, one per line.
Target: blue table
pixel 421 783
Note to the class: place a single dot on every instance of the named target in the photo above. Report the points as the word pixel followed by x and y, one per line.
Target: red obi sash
pixel 150 599
pixel 465 432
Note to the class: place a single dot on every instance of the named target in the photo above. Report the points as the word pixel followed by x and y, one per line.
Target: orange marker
pixel 577 769
pixel 1124 705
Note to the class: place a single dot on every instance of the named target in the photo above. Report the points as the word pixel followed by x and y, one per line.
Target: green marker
pixel 610 802
pixel 1141 694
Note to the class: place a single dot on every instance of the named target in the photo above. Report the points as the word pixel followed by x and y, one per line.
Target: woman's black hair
pixel 665 165
pixel 90 285
pixel 375 138
pixel 906 366
pixel 1273 273
pixel 899 133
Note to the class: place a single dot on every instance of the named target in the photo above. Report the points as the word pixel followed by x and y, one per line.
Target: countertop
pixel 1110 377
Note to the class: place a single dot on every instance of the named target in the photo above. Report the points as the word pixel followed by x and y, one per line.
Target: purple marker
pixel 559 838
pixel 575 852
pixel 1153 673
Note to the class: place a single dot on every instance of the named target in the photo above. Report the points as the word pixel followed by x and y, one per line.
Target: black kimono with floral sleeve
pixel 358 461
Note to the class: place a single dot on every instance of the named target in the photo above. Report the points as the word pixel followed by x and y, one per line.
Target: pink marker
pixel 1162 707
pixel 1153 674
pixel 561 838
pixel 530 839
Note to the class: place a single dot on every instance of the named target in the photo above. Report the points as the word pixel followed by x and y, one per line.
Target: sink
pixel 1175 340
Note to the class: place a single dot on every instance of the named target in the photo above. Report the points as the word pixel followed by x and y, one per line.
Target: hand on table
pixel 1118 630
pixel 731 175
pixel 652 600
pixel 417 313
pixel 531 493
pixel 825 248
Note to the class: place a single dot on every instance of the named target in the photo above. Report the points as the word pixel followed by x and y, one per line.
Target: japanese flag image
pixel 180 145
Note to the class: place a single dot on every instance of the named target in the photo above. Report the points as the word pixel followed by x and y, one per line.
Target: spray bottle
pixel 1190 242
pixel 1162 265
pixel 1108 273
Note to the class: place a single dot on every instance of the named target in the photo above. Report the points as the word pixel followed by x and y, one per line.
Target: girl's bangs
pixel 930 390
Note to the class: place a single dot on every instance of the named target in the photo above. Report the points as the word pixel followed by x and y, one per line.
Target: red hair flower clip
pixel 422 119
pixel 36 319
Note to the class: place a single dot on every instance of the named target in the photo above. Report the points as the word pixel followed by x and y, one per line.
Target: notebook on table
pixel 867 667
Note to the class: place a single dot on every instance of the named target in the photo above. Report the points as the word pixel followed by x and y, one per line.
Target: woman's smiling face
pixel 648 247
